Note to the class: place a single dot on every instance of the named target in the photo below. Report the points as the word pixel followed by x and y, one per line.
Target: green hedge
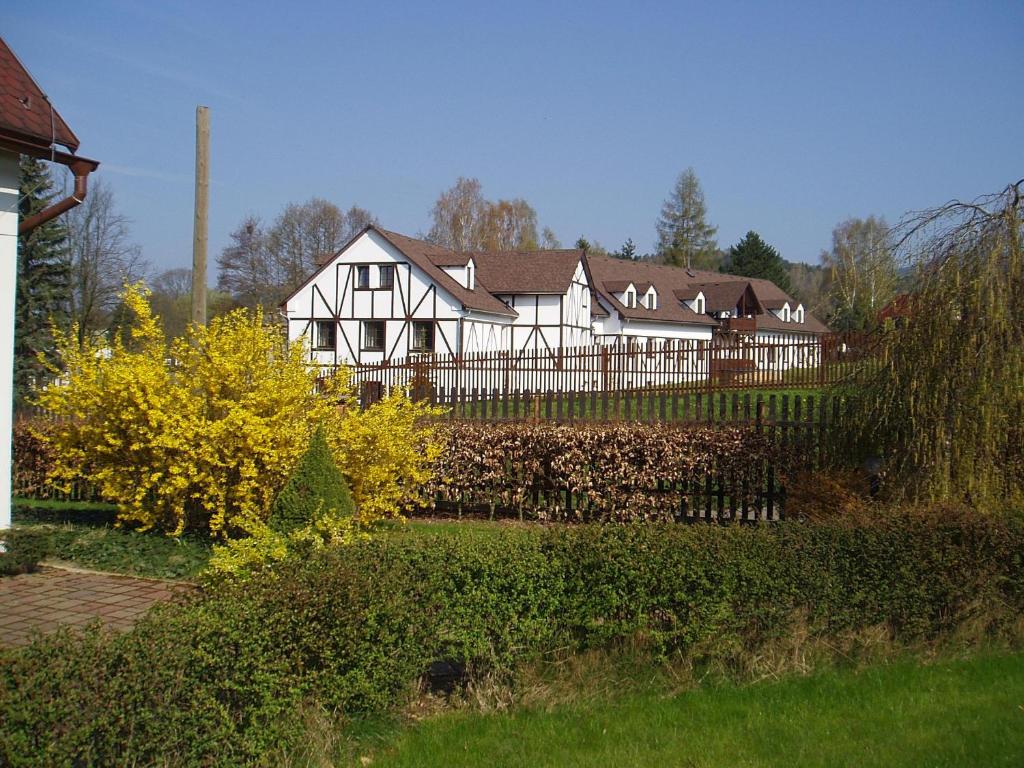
pixel 23 549
pixel 223 680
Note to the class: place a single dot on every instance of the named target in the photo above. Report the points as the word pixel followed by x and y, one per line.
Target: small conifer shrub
pixel 316 487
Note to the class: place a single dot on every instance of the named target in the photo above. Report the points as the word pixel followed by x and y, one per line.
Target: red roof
pixel 26 115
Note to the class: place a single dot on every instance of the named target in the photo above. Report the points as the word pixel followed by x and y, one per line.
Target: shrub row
pixel 224 679
pixel 593 471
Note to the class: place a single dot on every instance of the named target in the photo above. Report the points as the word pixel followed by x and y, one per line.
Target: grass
pixel 83 534
pixel 954 713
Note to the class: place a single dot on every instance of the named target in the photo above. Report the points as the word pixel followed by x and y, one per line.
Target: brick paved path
pixel 44 600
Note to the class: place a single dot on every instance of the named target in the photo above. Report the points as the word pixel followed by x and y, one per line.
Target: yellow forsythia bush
pixel 203 431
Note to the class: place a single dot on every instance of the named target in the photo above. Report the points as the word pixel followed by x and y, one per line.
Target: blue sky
pixel 795 116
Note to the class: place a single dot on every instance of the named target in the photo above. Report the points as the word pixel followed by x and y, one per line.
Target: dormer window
pixel 651 298
pixel 785 313
pixel 630 298
pixel 798 316
pixel 470 276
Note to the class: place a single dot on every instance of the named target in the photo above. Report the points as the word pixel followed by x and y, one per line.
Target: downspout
pixel 81 169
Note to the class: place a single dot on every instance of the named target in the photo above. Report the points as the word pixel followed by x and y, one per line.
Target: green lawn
pixel 83 535
pixel 955 713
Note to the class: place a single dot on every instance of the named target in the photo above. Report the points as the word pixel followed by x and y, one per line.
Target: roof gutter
pixel 81 168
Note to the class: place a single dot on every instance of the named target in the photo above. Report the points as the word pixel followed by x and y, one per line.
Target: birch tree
pixel 863 272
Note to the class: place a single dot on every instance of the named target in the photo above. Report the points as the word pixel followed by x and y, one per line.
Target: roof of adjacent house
pixel 26 115
pixel 721 291
pixel 549 271
pixel 427 256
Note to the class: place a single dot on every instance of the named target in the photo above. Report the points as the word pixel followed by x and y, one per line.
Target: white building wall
pixel 9 176
pixel 332 294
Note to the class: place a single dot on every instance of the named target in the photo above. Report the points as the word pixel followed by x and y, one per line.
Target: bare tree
pixel 458 216
pixel 261 265
pixel 548 239
pixel 509 225
pixel 102 258
pixel 863 271
pixel 464 220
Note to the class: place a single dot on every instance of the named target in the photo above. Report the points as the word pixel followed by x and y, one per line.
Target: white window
pixel 785 313
pixel 470 279
pixel 700 305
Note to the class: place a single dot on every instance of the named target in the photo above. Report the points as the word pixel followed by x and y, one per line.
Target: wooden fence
pixel 727 361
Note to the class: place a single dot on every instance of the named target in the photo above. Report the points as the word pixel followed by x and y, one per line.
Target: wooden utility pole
pixel 200 226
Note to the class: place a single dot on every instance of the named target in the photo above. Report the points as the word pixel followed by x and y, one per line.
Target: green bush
pixel 224 680
pixel 316 486
pixel 24 549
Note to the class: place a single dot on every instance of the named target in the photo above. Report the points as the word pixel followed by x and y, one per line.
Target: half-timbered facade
pixel 385 296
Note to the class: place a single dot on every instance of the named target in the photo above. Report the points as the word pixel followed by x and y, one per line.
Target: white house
pixel 29 125
pixel 386 296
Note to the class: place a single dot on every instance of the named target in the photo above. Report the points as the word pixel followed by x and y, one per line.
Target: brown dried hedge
pixel 609 472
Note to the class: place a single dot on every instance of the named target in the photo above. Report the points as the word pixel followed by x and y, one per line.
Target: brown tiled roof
pixel 724 295
pixel 686 294
pixel 423 254
pixel 605 270
pixel 683 284
pixel 527 271
pixel 617 286
pixel 26 115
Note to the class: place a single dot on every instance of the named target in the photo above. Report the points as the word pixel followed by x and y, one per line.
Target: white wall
pixel 8 275
pixel 332 293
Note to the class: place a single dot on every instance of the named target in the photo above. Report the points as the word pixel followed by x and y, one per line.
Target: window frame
pixel 433 336
pixel 362 269
pixel 316 345
pixel 383 335
pixel 381 270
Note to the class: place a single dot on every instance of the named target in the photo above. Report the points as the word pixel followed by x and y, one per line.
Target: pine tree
pixel 685 239
pixel 753 257
pixel 627 252
pixel 315 487
pixel 44 290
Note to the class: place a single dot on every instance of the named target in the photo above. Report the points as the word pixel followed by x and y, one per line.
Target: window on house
pixel 470 281
pixel 325 334
pixel 785 314
pixel 700 305
pixel 423 336
pixel 362 277
pixel 373 335
pixel 387 277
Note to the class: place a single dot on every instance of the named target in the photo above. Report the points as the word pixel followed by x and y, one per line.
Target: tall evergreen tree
pixel 753 257
pixel 44 290
pixel 685 239
pixel 627 252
